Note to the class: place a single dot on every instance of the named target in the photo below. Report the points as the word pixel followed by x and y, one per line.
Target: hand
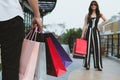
pixel 82 37
pixel 98 29
pixel 36 22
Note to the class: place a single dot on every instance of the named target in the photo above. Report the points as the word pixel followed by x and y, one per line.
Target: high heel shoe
pixel 87 68
pixel 99 69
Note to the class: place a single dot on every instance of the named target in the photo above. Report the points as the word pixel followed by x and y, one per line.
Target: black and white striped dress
pixel 93 38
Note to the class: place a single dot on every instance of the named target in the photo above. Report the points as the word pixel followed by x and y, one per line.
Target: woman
pixel 12 34
pixel 91 32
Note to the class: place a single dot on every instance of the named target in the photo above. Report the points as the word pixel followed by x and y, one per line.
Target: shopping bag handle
pixel 32 34
pixel 29 34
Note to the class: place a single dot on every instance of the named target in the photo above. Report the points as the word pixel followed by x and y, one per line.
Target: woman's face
pixel 93 6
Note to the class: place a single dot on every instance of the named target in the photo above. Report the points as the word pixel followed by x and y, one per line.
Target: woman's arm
pixel 104 20
pixel 36 12
pixel 84 26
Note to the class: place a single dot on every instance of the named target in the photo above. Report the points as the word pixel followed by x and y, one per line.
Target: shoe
pixel 99 69
pixel 87 68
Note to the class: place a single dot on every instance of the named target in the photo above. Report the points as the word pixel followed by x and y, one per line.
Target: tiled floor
pixel 111 71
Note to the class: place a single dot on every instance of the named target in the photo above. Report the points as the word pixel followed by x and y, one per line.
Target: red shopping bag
pixel 54 62
pixel 28 57
pixel 80 47
pixel 63 55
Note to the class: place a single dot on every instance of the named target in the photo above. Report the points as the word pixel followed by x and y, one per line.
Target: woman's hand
pixel 98 29
pixel 82 37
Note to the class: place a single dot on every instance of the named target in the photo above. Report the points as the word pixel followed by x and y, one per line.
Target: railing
pixel 111 44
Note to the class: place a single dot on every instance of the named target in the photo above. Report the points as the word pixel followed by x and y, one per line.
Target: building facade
pixel 110 38
pixel 46 6
pixel 28 15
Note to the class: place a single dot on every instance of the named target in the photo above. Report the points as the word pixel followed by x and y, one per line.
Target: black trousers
pixel 93 41
pixel 11 38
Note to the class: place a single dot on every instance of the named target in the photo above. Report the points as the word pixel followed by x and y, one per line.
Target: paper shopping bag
pixel 80 47
pixel 49 63
pixel 40 73
pixel 28 57
pixel 55 67
pixel 64 56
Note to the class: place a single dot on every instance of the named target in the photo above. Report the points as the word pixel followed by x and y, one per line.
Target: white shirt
pixel 10 9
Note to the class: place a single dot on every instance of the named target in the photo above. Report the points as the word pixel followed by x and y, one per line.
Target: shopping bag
pixel 49 63
pixel 29 56
pixel 80 47
pixel 64 56
pixel 40 72
pixel 55 65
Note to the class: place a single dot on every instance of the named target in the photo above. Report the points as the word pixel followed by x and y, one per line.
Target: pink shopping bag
pixel 80 47
pixel 29 56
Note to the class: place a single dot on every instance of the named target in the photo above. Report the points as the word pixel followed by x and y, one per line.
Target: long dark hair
pixel 97 10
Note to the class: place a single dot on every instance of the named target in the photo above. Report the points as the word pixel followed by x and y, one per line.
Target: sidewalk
pixel 111 71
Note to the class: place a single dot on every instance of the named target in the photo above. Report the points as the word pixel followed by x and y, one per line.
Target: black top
pixel 91 21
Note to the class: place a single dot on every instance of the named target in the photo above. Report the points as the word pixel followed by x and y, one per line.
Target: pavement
pixel 75 71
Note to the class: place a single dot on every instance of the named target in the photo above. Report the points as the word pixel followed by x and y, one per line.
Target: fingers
pixel 82 37
pixel 36 23
pixel 98 29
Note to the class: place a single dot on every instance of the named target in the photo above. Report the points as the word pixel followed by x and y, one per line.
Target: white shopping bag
pixel 40 73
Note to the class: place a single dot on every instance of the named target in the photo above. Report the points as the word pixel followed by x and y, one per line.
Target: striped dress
pixel 93 39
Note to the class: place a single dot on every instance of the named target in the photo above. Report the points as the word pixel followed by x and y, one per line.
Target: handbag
pixel 80 47
pixel 29 56
pixel 55 66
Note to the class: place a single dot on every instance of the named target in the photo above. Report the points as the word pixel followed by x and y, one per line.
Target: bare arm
pixel 36 12
pixel 104 20
pixel 84 26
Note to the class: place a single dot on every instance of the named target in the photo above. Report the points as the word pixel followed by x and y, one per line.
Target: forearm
pixel 83 32
pixel 103 23
pixel 35 8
